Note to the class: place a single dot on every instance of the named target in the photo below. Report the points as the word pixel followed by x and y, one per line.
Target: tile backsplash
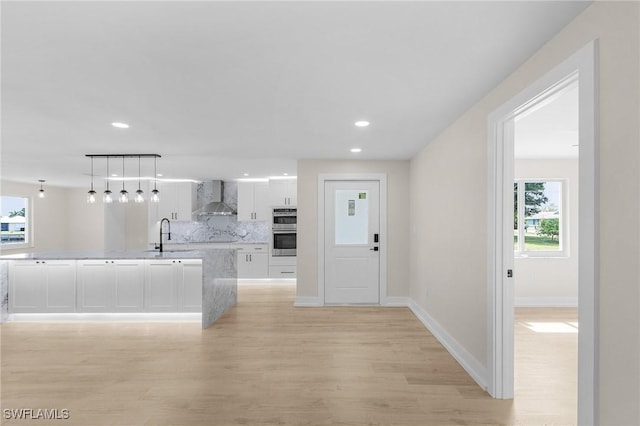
pixel 220 229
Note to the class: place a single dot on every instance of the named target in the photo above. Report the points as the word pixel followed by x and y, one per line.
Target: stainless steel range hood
pixel 210 198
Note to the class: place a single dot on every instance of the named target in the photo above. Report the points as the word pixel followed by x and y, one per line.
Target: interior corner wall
pixel 84 225
pixel 449 196
pixel 397 220
pixel 49 216
pixel 551 281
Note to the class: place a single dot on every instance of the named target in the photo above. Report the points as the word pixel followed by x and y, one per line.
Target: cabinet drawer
pixel 282 271
pixel 252 248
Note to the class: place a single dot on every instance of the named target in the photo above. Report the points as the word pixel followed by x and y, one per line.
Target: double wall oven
pixel 284 226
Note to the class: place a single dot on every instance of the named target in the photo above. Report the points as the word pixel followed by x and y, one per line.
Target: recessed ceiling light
pixel 356 149
pixel 246 174
pixel 120 125
pixel 159 175
pixel 114 175
pixel 361 123
pixel 286 174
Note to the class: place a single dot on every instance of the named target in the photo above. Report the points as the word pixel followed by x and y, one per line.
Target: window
pixel 14 230
pixel 538 217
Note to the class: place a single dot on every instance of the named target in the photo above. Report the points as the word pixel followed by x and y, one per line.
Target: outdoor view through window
pixel 14 220
pixel 537 214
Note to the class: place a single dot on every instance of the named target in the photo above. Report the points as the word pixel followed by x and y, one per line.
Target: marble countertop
pixel 212 243
pixel 79 255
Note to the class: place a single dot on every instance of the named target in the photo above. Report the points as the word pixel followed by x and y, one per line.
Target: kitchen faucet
pixel 164 233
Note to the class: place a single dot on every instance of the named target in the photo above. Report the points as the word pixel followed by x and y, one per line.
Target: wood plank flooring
pixel 263 363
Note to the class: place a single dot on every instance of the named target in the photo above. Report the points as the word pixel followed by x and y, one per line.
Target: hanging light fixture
pixel 91 195
pixel 155 197
pixel 107 198
pixel 124 195
pixel 139 193
pixel 41 192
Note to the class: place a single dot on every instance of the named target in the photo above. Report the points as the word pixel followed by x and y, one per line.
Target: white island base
pixel 120 285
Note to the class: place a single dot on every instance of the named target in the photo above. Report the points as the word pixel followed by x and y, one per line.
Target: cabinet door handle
pixel 250 260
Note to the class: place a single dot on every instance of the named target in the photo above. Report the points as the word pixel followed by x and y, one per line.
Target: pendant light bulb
pixel 155 197
pixel 107 197
pixel 41 191
pixel 139 198
pixel 91 195
pixel 124 195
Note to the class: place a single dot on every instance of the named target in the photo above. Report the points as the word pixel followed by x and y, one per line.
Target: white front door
pixel 352 228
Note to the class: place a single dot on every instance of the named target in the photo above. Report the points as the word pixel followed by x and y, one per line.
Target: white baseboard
pixel 476 370
pixel 546 302
pixel 306 301
pixel 395 301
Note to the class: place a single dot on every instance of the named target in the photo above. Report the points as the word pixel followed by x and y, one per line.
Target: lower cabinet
pixel 173 285
pixel 282 271
pixel 42 286
pixel 105 285
pixel 253 261
pixel 110 285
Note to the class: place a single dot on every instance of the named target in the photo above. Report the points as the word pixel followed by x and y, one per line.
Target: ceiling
pixel 220 89
pixel 549 130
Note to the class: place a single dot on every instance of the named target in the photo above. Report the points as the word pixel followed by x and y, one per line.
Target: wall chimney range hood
pixel 210 199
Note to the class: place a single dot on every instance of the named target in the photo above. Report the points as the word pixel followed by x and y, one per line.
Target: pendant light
pixel 91 195
pixel 155 198
pixel 107 198
pixel 139 193
pixel 41 192
pixel 124 195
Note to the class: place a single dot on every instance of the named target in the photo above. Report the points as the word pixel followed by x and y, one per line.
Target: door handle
pixel 374 248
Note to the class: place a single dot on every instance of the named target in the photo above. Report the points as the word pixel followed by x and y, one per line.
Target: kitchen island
pixel 218 282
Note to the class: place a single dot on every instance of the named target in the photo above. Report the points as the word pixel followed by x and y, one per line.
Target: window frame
pixel 28 228
pixel 563 251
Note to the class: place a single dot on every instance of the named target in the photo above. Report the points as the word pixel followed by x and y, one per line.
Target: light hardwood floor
pixel 264 363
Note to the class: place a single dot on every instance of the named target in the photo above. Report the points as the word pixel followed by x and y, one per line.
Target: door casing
pixel 500 299
pixel 382 179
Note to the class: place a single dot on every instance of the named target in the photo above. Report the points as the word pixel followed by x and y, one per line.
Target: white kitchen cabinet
pixel 283 192
pixel 282 271
pixel 106 285
pixel 253 201
pixel 173 285
pixel 177 201
pixel 188 275
pixel 161 290
pixel 42 286
pixel 253 261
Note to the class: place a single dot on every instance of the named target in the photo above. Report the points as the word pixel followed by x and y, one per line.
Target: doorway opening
pixel 545 228
pixel 579 67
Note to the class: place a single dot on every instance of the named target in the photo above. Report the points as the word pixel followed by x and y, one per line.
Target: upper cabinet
pixel 177 201
pixel 253 201
pixel 283 192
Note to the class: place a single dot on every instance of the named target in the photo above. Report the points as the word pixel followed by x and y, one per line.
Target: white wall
pixel 398 219
pixel 49 215
pixel 63 220
pixel 84 222
pixel 449 243
pixel 551 281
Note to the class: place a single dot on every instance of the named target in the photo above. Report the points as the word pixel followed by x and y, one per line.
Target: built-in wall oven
pixel 283 227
